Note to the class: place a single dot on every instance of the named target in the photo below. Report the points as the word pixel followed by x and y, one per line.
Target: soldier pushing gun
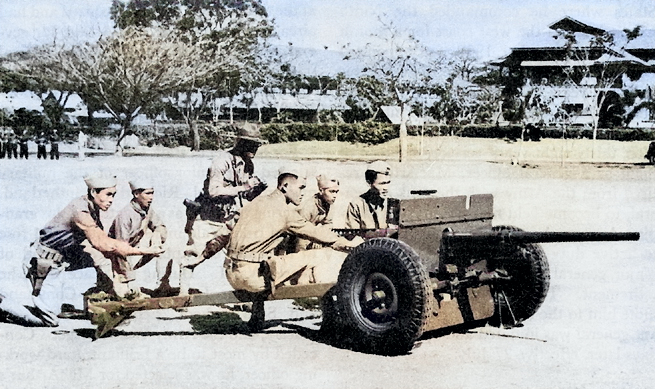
pixel 212 215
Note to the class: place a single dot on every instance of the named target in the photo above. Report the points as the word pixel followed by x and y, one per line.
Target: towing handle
pixel 508 236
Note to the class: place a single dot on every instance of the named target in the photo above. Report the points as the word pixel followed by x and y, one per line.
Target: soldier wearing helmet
pixel 230 181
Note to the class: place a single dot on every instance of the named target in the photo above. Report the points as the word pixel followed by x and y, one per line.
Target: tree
pixel 124 72
pixel 397 68
pixel 228 33
pixel 594 65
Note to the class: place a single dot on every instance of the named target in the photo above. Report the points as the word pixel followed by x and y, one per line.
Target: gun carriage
pixel 443 264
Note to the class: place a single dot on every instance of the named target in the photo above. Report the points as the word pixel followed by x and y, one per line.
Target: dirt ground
pixel 595 329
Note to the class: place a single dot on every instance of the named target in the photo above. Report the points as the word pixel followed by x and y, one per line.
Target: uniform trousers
pixel 208 238
pixel 307 267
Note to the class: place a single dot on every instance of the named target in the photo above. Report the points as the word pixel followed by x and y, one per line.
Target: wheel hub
pixel 379 299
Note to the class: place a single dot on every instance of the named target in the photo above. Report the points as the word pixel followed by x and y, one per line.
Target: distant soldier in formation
pixel 229 182
pixel 54 145
pixel 139 225
pixel 23 145
pixel 3 144
pixel 40 146
pixel 318 209
pixel 369 210
pixel 12 145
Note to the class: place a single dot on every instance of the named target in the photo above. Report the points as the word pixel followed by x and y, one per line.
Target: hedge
pixel 221 136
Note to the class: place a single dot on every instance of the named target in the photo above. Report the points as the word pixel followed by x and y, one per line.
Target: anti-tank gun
pixel 440 264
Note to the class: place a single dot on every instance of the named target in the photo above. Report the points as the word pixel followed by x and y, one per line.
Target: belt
pixel 46 252
pixel 248 257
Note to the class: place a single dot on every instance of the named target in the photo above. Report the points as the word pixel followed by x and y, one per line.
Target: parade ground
pixel 596 328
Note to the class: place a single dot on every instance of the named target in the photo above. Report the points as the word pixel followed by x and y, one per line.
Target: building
pixel 577 74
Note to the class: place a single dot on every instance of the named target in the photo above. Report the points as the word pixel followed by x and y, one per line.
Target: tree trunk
pixel 124 128
pixel 402 138
pixel 193 129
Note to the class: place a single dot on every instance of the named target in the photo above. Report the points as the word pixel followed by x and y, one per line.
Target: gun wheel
pixel 382 296
pixel 518 298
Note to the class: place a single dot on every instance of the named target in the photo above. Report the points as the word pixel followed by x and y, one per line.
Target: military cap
pixel 100 180
pixel 297 171
pixel 325 181
pixel 251 132
pixel 379 167
pixel 140 183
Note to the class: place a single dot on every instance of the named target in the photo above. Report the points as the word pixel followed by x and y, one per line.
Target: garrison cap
pixel 140 183
pixel 379 167
pixel 297 171
pixel 100 180
pixel 326 181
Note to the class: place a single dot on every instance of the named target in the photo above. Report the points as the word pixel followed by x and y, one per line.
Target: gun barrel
pixel 508 236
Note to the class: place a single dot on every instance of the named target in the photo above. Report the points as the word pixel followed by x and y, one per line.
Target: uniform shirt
pixel 67 227
pixel 316 210
pixel 132 221
pixel 226 169
pixel 267 219
pixel 368 211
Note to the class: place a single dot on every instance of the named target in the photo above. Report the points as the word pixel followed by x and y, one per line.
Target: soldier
pixel 40 147
pixel 54 146
pixel 12 145
pixel 74 239
pixel 23 145
pixel 3 143
pixel 229 181
pixel 139 225
pixel 318 209
pixel 369 210
pixel 262 227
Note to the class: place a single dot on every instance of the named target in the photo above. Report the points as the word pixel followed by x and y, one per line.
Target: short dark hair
pixel 283 177
pixel 371 176
pixel 96 190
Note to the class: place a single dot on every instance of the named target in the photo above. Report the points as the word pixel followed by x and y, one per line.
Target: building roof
pixel 392 112
pixel 569 24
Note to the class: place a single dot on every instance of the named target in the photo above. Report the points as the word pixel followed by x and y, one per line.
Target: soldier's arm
pixel 103 243
pixel 301 227
pixel 157 226
pixel 217 184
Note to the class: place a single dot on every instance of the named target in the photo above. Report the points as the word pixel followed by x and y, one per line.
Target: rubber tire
pixel 527 266
pixel 398 268
pixel 651 159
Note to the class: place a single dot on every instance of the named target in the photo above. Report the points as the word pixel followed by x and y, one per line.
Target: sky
pixel 490 27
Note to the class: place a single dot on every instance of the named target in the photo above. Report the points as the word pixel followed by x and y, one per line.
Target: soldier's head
pixel 291 181
pixel 101 189
pixel 378 177
pixel 248 141
pixel 143 192
pixel 328 187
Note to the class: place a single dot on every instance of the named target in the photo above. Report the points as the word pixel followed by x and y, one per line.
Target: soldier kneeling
pixel 74 239
pixel 251 263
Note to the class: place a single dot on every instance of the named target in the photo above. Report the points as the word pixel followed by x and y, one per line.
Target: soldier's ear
pixel 283 188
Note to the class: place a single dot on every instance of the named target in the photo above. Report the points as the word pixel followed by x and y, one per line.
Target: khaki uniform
pixel 368 211
pixel 261 228
pixel 317 212
pixel 63 241
pixel 218 213
pixel 143 229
